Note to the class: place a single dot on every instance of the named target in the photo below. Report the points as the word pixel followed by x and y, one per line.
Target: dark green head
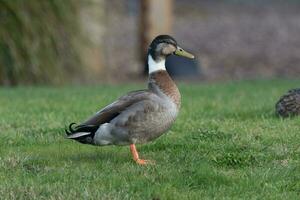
pixel 165 45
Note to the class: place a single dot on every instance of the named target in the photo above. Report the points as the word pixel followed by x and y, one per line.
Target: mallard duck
pixel 289 104
pixel 139 116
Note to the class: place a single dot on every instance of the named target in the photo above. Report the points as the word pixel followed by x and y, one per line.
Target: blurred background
pixel 96 41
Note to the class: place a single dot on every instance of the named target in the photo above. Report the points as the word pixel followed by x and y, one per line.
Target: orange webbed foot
pixel 145 162
pixel 136 158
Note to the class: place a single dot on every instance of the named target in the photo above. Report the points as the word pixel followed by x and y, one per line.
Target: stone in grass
pixel 289 104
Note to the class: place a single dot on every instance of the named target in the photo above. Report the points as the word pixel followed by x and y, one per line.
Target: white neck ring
pixel 155 66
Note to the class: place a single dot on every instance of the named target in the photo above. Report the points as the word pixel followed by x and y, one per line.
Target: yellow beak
pixel 180 52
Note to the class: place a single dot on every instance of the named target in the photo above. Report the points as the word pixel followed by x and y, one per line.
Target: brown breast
pixel 164 82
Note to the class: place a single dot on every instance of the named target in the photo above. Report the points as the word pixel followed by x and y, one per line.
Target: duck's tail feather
pixel 82 133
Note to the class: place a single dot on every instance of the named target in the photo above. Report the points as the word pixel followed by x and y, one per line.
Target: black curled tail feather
pixel 82 133
pixel 71 130
pixel 81 128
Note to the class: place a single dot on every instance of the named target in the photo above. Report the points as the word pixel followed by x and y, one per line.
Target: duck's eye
pixel 180 49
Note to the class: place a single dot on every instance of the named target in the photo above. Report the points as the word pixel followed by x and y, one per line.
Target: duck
pixel 289 104
pixel 139 116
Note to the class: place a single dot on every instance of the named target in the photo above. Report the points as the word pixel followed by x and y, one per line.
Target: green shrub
pixel 37 41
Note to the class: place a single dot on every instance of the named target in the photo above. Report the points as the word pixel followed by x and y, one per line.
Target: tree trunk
pixel 155 19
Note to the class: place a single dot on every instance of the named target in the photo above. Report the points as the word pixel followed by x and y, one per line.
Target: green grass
pixel 226 144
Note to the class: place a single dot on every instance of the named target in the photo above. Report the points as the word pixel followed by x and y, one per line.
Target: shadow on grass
pixel 102 154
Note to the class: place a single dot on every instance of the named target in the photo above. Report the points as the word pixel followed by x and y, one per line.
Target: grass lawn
pixel 225 144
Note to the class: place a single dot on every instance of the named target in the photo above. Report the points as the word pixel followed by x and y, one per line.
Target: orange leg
pixel 136 158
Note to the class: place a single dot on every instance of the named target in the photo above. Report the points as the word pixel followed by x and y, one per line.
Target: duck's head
pixel 160 48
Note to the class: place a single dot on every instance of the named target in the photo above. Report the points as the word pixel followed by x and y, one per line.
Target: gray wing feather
pixel 114 109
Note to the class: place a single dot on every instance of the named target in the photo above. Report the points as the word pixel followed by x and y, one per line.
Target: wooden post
pixel 92 15
pixel 155 19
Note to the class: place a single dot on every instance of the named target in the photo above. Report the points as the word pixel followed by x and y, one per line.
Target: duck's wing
pixel 114 109
pixel 121 112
